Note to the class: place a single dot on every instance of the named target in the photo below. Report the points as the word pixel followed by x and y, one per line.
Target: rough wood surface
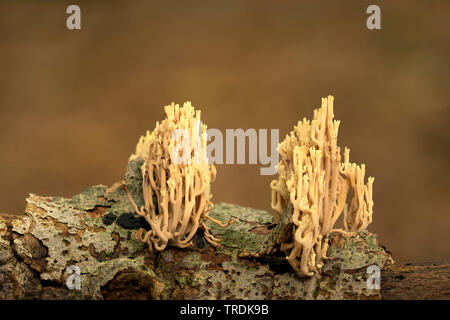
pixel 94 231
pixel 416 281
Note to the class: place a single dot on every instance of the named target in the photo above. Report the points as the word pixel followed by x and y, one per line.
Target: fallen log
pixel 84 248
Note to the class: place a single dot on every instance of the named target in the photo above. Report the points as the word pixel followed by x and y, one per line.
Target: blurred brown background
pixel 74 103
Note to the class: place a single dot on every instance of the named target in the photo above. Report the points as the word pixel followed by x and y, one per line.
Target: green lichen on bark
pixel 359 250
pixel 90 198
pixel 74 234
pixel 240 234
pixel 133 181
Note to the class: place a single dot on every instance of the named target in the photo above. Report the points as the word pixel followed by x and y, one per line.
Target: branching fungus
pixel 312 178
pixel 176 180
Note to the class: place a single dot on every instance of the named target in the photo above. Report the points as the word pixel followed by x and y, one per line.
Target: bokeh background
pixel 74 103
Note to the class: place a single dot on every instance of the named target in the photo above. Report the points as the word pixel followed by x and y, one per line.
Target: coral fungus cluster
pixel 313 179
pixel 176 180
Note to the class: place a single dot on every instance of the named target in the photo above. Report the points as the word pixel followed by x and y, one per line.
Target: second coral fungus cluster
pixel 176 180
pixel 313 179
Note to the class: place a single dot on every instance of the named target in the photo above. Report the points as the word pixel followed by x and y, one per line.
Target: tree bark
pixel 93 233
pixel 413 281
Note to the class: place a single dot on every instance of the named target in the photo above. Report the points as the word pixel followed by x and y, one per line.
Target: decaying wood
pixel 94 232
pixel 417 281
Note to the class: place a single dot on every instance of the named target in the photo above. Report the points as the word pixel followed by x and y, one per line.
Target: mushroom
pixel 312 178
pixel 176 180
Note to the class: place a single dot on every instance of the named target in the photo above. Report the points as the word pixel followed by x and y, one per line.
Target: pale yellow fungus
pixel 176 180
pixel 312 178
